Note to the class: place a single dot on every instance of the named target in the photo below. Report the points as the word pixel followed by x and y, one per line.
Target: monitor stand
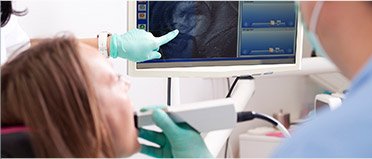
pixel 241 94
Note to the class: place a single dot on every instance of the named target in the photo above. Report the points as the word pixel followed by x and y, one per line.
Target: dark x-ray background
pixel 207 28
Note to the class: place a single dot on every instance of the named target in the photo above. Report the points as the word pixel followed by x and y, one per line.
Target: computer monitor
pixel 219 38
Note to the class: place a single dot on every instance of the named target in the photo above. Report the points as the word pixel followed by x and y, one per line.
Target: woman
pixel 70 99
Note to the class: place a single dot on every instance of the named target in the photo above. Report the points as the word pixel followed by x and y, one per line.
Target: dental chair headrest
pixel 15 142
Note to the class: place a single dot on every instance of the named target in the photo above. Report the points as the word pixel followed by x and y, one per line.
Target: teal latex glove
pixel 138 45
pixel 176 140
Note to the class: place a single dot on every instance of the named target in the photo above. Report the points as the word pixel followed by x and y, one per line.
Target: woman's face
pixel 112 95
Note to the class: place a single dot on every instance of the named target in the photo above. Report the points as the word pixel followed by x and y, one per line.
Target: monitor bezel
pixel 213 71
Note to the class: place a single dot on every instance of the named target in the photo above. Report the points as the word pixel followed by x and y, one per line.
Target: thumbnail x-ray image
pixel 207 28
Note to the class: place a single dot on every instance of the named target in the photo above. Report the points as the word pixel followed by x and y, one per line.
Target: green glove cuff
pixel 113 46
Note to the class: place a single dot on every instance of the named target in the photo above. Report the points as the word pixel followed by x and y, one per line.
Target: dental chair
pixel 15 142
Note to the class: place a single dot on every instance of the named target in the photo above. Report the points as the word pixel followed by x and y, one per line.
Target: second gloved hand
pixel 176 140
pixel 138 45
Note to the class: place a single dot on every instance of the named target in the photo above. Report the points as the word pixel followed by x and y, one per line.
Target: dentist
pixel 340 31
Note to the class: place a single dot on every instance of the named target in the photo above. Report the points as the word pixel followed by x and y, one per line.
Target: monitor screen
pixel 221 33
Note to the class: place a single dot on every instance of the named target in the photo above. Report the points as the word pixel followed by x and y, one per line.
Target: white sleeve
pixel 13 39
pixel 3 50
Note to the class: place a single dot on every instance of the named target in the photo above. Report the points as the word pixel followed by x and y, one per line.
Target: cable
pixel 232 87
pixel 227 145
pixel 284 130
pixel 250 115
pixel 266 118
pixel 169 90
pixel 235 82
pixel 228 83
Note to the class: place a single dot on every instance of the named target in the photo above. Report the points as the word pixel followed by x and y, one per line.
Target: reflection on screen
pixel 225 31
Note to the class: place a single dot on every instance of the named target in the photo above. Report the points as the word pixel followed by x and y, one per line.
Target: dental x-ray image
pixel 207 28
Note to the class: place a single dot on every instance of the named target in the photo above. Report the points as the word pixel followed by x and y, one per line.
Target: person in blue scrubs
pixel 342 32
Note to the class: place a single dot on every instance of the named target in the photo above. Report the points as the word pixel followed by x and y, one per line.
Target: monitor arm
pixel 241 94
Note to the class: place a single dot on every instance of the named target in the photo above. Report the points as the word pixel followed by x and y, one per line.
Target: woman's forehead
pixel 97 65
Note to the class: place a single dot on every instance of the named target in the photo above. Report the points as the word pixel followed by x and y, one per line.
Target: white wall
pixel 86 18
pixel 83 18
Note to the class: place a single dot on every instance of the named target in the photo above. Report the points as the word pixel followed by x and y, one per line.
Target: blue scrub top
pixel 345 132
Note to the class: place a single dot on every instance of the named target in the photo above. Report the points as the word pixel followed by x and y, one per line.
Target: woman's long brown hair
pixel 46 89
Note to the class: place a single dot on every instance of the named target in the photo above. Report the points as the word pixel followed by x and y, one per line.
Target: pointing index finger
pixel 167 37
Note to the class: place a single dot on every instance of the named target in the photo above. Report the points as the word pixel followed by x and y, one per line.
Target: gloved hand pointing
pixel 176 140
pixel 138 45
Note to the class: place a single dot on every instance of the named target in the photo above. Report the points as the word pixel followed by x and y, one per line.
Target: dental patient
pixel 65 100
pixel 70 99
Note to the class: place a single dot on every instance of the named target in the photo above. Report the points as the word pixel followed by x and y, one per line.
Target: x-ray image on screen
pixel 207 29
pixel 223 33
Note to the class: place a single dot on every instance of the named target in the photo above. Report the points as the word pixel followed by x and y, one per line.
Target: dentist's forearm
pixel 93 42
